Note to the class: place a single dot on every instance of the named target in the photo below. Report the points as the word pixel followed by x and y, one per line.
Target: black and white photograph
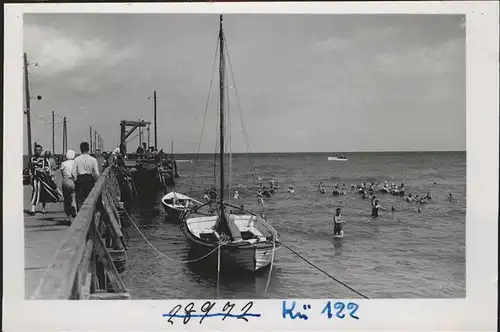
pixel 233 155
pixel 290 147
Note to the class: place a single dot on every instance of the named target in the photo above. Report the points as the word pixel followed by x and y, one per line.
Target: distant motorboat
pixel 175 204
pixel 338 158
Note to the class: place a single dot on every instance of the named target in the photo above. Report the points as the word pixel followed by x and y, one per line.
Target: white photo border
pixel 478 311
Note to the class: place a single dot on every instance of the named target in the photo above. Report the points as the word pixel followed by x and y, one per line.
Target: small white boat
pixel 175 204
pixel 337 158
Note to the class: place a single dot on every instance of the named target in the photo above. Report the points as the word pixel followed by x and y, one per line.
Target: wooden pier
pixel 84 260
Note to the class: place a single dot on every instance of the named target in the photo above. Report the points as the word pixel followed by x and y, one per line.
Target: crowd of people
pixel 79 174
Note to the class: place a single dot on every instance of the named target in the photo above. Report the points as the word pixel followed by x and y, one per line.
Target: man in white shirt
pixel 86 172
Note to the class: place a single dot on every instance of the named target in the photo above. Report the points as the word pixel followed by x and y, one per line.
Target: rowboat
pixel 242 239
pixel 175 204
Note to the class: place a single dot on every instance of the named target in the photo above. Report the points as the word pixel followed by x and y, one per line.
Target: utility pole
pixel 140 135
pixel 53 134
pixel 148 136
pixel 27 103
pixel 154 106
pixel 90 139
pixel 95 141
pixel 65 138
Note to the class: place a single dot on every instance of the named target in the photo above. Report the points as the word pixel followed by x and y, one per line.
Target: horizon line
pixel 316 152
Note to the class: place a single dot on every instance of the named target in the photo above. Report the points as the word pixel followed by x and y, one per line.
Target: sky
pixel 304 83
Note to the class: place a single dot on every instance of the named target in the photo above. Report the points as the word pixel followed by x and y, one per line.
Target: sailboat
pixel 243 240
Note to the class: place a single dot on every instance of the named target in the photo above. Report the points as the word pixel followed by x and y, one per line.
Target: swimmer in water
pixel 450 197
pixel 236 195
pixel 409 199
pixel 428 196
pixel 375 208
pixel 338 224
pixel 290 189
pixel 419 210
pixel 402 188
pixel 260 199
pixel 393 209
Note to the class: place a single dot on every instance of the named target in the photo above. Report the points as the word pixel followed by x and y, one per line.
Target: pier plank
pixel 107 261
pixel 42 236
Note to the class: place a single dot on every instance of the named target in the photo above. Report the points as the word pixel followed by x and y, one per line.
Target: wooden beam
pixel 112 205
pixel 118 256
pixel 113 226
pixel 110 296
pixel 84 267
pixel 133 123
pixel 86 287
pixel 109 267
pixel 128 133
pixel 58 281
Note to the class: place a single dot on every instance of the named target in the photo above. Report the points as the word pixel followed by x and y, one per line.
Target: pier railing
pixel 92 255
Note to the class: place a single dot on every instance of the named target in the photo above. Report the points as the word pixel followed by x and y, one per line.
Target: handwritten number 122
pixel 339 308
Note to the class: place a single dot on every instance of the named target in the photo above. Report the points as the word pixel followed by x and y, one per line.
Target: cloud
pixel 441 59
pixel 331 44
pixel 60 54
pixel 366 38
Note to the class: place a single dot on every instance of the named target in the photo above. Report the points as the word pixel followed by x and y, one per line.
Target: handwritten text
pixel 206 311
pixel 331 310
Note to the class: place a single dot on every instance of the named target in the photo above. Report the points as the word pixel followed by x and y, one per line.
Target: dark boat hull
pixel 172 213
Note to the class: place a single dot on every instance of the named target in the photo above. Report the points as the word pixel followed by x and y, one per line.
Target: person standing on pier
pixel 68 185
pixel 36 166
pixel 86 172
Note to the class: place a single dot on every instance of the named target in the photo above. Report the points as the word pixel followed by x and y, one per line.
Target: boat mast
pixel 154 107
pixel 221 79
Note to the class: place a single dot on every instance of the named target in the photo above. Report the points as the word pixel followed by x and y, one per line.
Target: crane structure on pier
pixel 133 125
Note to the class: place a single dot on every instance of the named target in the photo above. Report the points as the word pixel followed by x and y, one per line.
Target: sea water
pixel 402 254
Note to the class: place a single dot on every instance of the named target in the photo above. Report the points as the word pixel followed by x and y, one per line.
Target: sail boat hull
pixel 250 257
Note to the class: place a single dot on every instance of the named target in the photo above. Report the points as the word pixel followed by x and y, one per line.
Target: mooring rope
pixel 218 270
pixel 324 272
pixel 270 269
pixel 162 254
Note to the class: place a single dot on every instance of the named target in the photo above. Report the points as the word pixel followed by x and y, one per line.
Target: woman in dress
pixel 68 185
pixel 42 180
